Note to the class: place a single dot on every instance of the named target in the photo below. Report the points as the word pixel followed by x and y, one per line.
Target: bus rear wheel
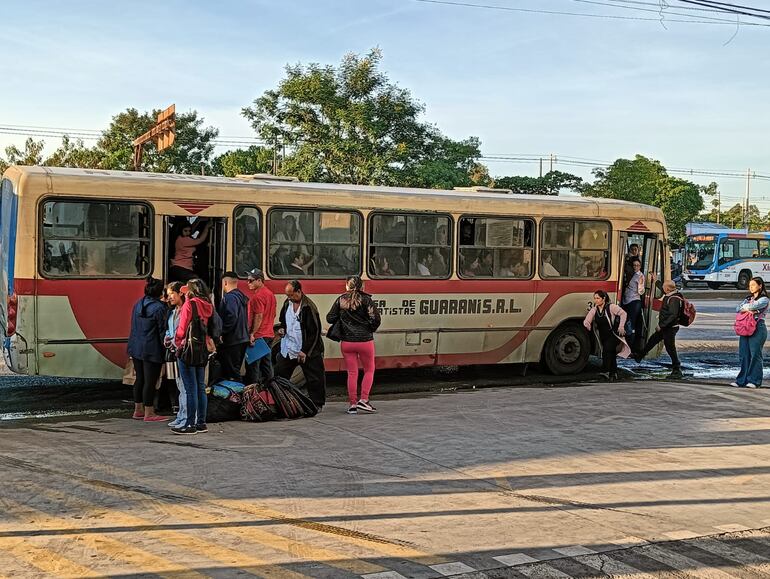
pixel 713 284
pixel 567 349
pixel 743 279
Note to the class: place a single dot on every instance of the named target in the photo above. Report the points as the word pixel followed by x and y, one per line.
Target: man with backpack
pixel 671 314
pixel 235 328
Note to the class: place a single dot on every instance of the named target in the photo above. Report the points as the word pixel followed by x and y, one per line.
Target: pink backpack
pixel 745 324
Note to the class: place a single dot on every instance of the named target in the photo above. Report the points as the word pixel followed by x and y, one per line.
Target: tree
pixel 733 218
pixel 75 154
pixel 243 162
pixel 350 124
pixel 549 184
pixel 31 155
pixel 644 180
pixel 631 180
pixel 711 193
pixel 192 149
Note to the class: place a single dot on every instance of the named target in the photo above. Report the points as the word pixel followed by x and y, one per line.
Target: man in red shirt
pixel 262 308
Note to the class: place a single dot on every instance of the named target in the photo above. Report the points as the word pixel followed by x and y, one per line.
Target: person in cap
pixel 262 307
pixel 235 333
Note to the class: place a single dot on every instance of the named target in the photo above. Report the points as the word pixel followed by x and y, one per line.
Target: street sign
pixel 163 134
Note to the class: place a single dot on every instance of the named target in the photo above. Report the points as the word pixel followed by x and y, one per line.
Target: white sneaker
pixel 750 385
pixel 173 424
pixel 734 385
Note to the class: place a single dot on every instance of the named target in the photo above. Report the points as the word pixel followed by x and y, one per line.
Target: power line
pixel 585 14
pixel 733 10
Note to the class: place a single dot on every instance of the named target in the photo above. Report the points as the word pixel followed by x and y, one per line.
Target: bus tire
pixel 713 284
pixel 567 349
pixel 743 279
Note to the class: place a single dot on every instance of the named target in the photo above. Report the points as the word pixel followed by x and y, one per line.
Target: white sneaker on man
pixel 735 385
pixel 750 385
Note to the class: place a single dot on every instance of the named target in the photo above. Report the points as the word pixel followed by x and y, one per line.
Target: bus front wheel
pixel 713 285
pixel 743 279
pixel 567 349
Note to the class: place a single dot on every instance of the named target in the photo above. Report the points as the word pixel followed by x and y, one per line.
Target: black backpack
pixel 195 353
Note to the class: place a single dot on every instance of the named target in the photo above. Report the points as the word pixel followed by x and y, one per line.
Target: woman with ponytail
pixel 356 318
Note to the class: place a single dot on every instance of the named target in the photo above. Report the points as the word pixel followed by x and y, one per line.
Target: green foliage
pixel 549 184
pixel 32 154
pixel 350 124
pixel 243 162
pixel 75 154
pixel 644 180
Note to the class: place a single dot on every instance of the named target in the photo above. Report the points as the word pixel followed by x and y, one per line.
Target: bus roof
pixel 444 200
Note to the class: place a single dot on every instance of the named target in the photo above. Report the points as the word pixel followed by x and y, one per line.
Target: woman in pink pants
pixel 357 318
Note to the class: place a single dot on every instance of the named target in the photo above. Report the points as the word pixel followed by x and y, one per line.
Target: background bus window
pixel 495 247
pixel 732 249
pixel 248 240
pixel 95 239
pixel 575 249
pixel 314 243
pixel 409 245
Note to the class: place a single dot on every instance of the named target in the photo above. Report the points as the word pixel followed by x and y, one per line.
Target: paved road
pixel 491 482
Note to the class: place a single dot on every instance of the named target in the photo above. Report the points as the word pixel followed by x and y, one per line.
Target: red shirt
pixel 262 302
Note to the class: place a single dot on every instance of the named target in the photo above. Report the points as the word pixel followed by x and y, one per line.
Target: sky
pixel 690 95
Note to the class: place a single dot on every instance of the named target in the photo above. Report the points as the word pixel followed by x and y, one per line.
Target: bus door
pixel 651 254
pixel 208 258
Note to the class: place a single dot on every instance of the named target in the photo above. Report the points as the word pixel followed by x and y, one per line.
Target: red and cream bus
pixel 462 277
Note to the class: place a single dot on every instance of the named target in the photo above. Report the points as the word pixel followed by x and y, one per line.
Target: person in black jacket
pixel 357 318
pixel 233 309
pixel 301 342
pixel 668 326
pixel 145 346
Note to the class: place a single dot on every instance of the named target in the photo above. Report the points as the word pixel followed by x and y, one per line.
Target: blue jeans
pixel 181 416
pixel 750 355
pixel 632 309
pixel 195 387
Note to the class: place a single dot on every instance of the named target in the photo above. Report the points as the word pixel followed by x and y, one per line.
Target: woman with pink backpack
pixel 752 334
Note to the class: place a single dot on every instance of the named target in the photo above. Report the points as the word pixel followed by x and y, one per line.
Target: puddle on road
pixel 7 416
pixel 719 368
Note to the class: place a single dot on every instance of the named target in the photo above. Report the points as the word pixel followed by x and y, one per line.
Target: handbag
pixel 745 324
pixel 334 333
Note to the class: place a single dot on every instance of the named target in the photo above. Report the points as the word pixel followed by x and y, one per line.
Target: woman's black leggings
pixel 610 354
pixel 147 375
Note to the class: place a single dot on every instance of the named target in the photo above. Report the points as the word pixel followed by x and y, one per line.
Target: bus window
pixel 764 248
pixel 575 249
pixel 499 247
pixel 731 249
pixel 247 253
pixel 314 243
pixel 409 245
pixel 95 239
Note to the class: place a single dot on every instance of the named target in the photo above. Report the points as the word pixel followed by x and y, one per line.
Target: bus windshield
pixel 700 251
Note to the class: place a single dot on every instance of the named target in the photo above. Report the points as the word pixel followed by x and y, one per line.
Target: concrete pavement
pixel 432 485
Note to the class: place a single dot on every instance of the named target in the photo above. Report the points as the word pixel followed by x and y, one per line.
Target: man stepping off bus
pixel 668 326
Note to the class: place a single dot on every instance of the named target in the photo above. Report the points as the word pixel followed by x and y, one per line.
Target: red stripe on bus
pixel 90 300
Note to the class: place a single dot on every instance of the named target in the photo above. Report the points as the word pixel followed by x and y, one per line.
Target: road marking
pixel 603 562
pixel 502 481
pixel 689 567
pixel 732 553
pixel 44 559
pixel 542 571
pixel 452 568
pixel 680 535
pixel 184 540
pixel 384 547
pixel 113 549
pixel 515 559
pixel 732 528
pixel 384 575
pixel 574 551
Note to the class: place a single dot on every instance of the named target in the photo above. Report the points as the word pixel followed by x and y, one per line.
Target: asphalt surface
pixel 637 479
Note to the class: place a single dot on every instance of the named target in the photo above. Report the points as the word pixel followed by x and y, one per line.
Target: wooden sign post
pixel 163 133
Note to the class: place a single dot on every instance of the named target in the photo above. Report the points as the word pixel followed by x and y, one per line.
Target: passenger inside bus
pixel 186 243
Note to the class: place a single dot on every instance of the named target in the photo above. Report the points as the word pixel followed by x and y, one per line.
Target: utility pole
pixel 719 205
pixel 541 167
pixel 552 158
pixel 275 157
pixel 748 195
